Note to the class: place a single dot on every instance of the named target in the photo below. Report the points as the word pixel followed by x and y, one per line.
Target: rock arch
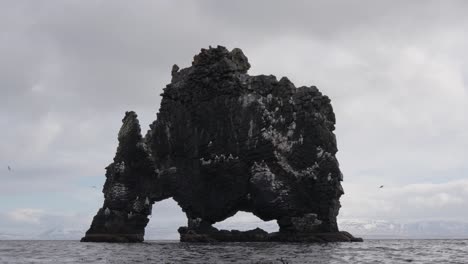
pixel 223 142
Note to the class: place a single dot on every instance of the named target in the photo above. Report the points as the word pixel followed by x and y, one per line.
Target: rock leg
pixel 127 191
pixel 119 224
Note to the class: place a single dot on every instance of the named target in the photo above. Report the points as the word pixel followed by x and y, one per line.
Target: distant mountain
pixel 377 229
pixel 59 233
pixel 415 229
pixel 56 233
pixel 12 236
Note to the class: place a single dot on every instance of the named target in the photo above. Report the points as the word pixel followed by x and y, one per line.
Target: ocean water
pixel 370 251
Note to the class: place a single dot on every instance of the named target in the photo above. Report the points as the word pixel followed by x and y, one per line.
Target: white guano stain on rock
pixel 248 99
pixel 251 126
pixel 118 192
pixel 120 167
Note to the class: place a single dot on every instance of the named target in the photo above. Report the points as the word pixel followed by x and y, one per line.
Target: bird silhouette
pixel 381 186
pixel 9 168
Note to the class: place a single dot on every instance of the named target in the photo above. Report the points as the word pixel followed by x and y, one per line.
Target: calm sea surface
pixel 370 251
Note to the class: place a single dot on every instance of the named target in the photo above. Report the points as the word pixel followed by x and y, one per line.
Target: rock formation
pixel 223 142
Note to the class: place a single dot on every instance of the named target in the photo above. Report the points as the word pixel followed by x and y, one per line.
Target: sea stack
pixel 223 142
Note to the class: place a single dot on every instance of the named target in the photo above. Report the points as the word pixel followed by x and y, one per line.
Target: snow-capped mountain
pixel 378 229
pixel 12 236
pixel 59 233
pixel 56 233
pixel 413 229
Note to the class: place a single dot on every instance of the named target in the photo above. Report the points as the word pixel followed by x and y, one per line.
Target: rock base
pixel 259 235
pixel 113 238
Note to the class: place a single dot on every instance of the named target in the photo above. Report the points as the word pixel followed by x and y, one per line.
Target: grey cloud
pixel 329 19
pixel 422 201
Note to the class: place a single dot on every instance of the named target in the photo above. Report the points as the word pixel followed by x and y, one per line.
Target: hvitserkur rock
pixel 223 142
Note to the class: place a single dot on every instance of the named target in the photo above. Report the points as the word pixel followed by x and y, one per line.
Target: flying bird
pixel 9 168
pixel 381 186
pixel 94 187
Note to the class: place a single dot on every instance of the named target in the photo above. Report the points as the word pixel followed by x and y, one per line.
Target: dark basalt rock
pixel 127 190
pixel 259 235
pixel 223 142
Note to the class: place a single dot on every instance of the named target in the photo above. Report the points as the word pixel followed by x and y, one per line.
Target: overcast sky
pixel 396 72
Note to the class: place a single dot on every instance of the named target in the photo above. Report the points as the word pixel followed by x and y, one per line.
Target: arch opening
pixel 166 218
pixel 245 221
